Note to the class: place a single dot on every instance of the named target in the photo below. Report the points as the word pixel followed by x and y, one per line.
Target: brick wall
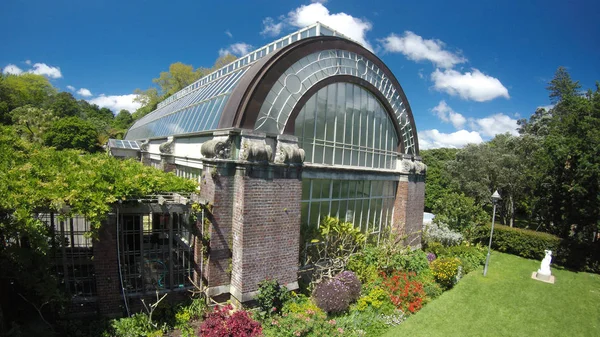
pixel 107 269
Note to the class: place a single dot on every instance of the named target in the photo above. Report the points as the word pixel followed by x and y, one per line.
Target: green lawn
pixel 509 303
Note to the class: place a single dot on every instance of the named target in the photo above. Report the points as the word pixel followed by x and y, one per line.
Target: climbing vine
pixel 34 178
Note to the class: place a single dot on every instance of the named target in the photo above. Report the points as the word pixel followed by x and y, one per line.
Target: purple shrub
pixel 352 283
pixel 431 257
pixel 332 296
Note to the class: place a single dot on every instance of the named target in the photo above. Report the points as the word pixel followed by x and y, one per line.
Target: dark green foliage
pixel 271 296
pixel 123 120
pixel 577 255
pixel 570 253
pixel 439 181
pixel 522 242
pixel 64 105
pixel 72 133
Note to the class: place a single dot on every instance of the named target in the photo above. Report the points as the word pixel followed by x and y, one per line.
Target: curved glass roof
pixel 198 107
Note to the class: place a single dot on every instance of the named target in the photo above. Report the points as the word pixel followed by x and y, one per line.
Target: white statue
pixel 545 267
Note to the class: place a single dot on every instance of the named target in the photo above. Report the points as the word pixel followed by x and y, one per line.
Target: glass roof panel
pixel 207 90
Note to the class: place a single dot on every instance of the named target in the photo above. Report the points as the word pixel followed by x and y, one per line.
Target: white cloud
pixel 319 1
pixel 494 125
pixel 415 48
pixel 12 70
pixel 346 24
pixel 46 70
pixel 433 139
pixel 28 62
pixel 237 49
pixel 228 33
pixel 70 87
pixel 84 92
pixel 475 85
pixel 271 28
pixel 116 102
pixel 546 107
pixel 446 114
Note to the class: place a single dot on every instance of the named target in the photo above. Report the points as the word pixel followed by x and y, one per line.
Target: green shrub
pixel 569 253
pixel 415 261
pixel 135 326
pixel 271 296
pixel 369 322
pixel 445 270
pixel 299 304
pixel 522 242
pixel 378 299
pixel 307 323
pixel 471 256
pixel 365 271
pixel 430 286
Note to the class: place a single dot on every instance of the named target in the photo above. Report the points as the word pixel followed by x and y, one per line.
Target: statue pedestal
pixel 542 277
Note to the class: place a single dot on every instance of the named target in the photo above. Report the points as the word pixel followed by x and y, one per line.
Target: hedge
pixel 531 244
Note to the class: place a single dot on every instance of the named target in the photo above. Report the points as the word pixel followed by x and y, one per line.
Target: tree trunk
pixel 511 209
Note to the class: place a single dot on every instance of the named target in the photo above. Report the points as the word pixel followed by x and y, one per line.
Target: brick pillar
pixel 107 270
pixel 410 201
pixel 266 228
pixel 399 219
pixel 255 191
pixel 217 187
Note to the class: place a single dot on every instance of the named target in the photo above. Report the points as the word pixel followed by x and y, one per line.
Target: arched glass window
pixel 344 124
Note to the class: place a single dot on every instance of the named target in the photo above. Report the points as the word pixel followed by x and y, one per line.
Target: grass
pixel 507 302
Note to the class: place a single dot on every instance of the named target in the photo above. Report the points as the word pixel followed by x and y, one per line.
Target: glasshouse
pixel 313 124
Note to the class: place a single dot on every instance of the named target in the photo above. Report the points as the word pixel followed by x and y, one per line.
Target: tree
pixel 32 122
pixel 64 105
pixel 562 86
pixel 169 82
pixel 459 213
pixel 439 181
pixel 123 120
pixel 223 61
pixel 178 77
pixel 72 133
pixel 28 89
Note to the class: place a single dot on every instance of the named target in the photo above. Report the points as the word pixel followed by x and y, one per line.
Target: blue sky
pixel 468 68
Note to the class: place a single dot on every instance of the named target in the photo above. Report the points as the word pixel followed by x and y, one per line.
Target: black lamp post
pixel 495 198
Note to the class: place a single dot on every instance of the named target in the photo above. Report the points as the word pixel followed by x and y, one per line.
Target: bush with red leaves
pixel 223 323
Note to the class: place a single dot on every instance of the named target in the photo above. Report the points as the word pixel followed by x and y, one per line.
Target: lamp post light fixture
pixel 495 198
